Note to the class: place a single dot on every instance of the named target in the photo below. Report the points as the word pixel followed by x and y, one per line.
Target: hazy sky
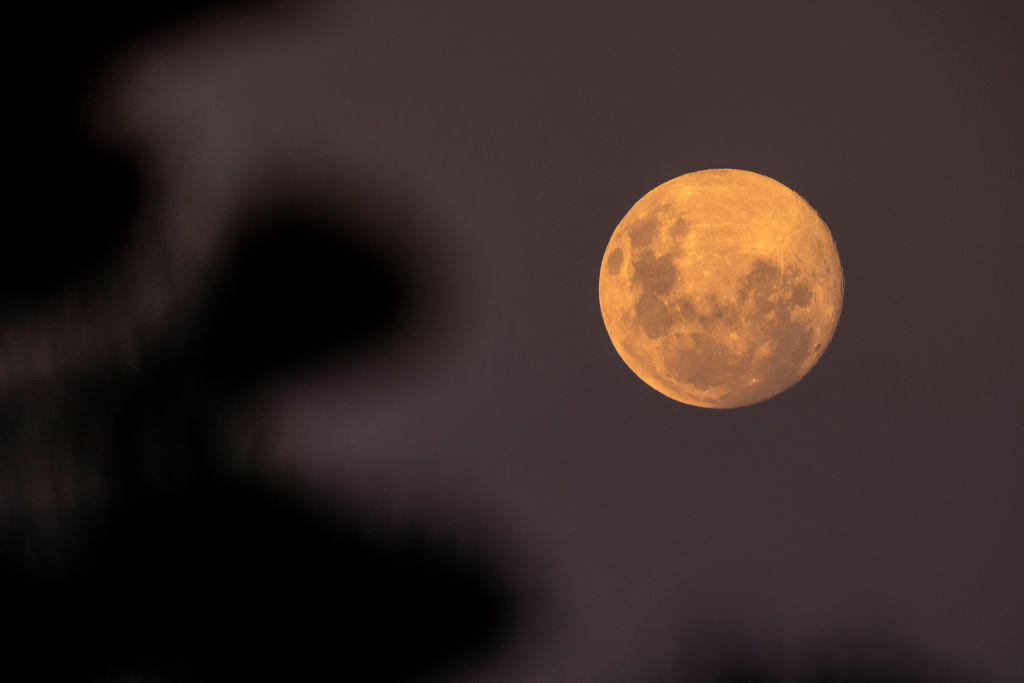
pixel 882 491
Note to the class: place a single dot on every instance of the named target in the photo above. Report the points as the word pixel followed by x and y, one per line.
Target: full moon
pixel 721 288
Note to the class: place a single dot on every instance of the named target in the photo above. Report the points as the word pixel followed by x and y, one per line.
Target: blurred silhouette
pixel 132 543
pixel 139 547
pixel 242 580
pixel 134 548
pixel 304 281
pixel 720 652
pixel 75 196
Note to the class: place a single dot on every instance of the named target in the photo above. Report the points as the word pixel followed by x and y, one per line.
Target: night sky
pixel 359 253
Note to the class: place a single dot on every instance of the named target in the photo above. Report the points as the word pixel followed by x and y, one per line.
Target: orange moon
pixel 721 288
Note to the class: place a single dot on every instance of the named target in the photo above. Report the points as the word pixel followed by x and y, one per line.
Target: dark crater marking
pixel 654 274
pixel 801 295
pixel 710 364
pixel 679 228
pixel 614 263
pixel 653 315
pixel 707 365
pixel 643 231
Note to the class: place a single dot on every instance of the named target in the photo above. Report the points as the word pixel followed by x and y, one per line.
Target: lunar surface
pixel 721 288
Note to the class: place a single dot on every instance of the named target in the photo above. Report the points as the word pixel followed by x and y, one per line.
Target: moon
pixel 721 288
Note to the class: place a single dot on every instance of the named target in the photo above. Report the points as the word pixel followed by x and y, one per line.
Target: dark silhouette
pixel 305 280
pixel 721 653
pixel 75 197
pixel 155 557
pixel 128 544
pixel 242 580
